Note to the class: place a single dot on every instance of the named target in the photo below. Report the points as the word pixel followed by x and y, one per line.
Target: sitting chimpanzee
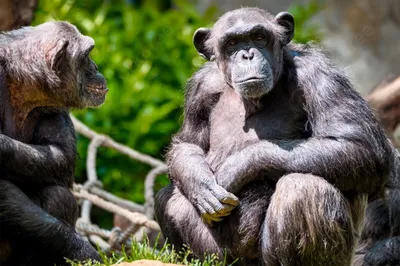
pixel 380 236
pixel 44 70
pixel 277 154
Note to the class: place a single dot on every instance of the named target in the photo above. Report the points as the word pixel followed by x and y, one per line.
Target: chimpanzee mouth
pixel 251 79
pixel 253 86
pixel 100 90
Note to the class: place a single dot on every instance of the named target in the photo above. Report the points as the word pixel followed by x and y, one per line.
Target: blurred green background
pixel 145 51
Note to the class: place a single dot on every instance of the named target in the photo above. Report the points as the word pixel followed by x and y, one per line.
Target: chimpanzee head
pixel 51 63
pixel 77 73
pixel 247 45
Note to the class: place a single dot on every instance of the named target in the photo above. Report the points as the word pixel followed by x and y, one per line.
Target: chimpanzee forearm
pixel 187 166
pixel 50 157
pixel 328 158
pixel 189 171
pixel 47 161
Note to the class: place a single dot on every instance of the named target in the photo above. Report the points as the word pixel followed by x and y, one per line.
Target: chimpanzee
pixel 277 153
pixel 379 243
pixel 44 70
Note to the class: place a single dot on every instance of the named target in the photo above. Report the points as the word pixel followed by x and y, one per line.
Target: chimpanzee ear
pixel 199 40
pixel 286 20
pixel 57 53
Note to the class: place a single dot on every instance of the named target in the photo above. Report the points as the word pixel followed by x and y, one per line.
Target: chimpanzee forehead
pixel 242 19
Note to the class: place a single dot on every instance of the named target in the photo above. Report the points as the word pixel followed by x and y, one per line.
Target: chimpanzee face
pixel 247 60
pixel 81 84
pixel 247 46
pixel 91 83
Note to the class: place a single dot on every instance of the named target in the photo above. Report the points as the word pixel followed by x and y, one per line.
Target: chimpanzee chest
pixel 233 126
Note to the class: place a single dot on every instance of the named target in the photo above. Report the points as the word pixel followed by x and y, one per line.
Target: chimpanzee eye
pixel 232 42
pixel 260 37
pixel 260 40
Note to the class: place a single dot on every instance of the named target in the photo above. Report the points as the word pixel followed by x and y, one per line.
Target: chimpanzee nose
pixel 248 55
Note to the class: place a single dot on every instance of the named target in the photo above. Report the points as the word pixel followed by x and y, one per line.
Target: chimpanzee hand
pixel 212 201
pixel 83 252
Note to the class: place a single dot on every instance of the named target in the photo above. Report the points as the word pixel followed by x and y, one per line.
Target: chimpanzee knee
pixel 308 222
pixel 60 203
pixel 181 223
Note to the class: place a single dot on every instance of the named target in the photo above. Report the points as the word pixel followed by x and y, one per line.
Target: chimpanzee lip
pixel 99 90
pixel 251 79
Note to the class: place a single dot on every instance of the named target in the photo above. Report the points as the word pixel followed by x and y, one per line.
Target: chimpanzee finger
pixel 230 199
pixel 206 207
pixel 215 219
pixel 216 205
pixel 225 196
pixel 207 218
pixel 227 210
pixel 204 215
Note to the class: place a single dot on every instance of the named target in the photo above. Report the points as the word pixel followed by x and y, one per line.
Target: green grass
pixel 167 254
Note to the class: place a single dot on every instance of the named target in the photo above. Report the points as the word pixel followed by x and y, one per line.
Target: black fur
pixel 301 156
pixel 44 70
pixel 380 237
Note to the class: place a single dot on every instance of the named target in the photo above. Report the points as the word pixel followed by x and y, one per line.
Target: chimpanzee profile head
pixel 51 62
pixel 69 58
pixel 247 46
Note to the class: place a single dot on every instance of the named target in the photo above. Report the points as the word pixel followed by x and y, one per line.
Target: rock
pixel 385 100
pixel 145 263
pixel 363 38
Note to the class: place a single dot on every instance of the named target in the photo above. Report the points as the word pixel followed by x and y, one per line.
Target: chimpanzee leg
pixel 26 221
pixel 59 202
pixel 385 252
pixel 308 222
pixel 181 223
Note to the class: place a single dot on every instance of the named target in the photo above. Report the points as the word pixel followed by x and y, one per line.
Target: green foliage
pixel 304 31
pixel 146 57
pixel 166 254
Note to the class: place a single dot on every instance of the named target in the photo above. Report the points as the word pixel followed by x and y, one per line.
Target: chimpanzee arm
pixel 51 156
pixel 347 146
pixel 188 168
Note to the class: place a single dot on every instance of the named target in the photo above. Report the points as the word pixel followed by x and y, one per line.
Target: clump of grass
pixel 143 250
